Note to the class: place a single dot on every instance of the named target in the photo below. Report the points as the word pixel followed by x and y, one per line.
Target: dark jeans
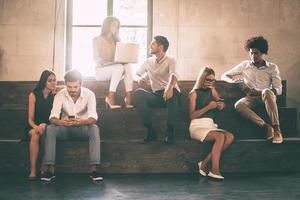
pixel 145 100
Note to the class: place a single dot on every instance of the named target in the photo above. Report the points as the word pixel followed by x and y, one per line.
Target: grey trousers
pixel 145 100
pixel 77 133
pixel 268 98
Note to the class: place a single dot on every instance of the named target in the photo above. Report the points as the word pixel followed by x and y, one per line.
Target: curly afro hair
pixel 259 43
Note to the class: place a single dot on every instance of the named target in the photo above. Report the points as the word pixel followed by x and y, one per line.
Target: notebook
pixel 126 52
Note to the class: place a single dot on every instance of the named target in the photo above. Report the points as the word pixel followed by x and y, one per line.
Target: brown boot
pixel 277 139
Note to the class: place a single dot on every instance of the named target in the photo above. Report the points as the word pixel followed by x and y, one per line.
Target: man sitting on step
pixel 160 70
pixel 73 116
pixel 262 82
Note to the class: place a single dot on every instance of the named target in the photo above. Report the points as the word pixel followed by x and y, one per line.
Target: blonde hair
pixel 204 72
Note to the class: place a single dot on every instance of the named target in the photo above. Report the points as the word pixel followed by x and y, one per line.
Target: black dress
pixel 42 110
pixel 204 97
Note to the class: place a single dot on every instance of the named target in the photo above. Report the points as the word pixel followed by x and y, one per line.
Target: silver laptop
pixel 127 52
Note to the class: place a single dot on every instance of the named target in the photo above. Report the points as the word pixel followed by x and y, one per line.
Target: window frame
pixel 69 26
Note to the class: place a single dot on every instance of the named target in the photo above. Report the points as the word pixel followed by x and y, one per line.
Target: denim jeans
pixel 77 133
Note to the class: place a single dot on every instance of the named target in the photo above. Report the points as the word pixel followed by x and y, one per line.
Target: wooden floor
pixel 256 186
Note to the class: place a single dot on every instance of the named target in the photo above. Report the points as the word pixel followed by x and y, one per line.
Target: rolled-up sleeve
pixel 173 68
pixel 276 80
pixel 57 106
pixel 142 70
pixel 97 52
pixel 91 107
pixel 237 70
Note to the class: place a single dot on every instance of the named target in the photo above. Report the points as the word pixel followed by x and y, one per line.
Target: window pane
pixel 131 12
pixel 89 12
pixel 82 50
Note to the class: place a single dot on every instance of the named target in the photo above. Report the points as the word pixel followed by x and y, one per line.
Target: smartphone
pixel 71 117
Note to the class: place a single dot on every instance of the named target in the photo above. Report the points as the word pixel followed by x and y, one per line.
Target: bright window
pixel 84 22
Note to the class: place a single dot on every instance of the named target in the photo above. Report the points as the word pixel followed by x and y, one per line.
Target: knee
pixel 119 68
pixel 50 131
pixel 220 138
pixel 239 106
pixel 34 136
pixel 229 137
pixel 267 93
pixel 93 131
pixel 138 94
pixel 127 68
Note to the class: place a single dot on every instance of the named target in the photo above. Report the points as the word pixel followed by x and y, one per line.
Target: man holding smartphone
pixel 73 116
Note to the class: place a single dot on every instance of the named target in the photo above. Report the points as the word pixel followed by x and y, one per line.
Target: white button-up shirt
pixel 267 76
pixel 84 108
pixel 160 72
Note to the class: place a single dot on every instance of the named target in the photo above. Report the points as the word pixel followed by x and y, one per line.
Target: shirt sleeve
pixel 276 80
pixel 173 68
pixel 57 106
pixel 91 106
pixel 237 70
pixel 97 52
pixel 143 69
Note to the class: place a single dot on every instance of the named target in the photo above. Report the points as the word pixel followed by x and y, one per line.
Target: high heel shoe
pixel 215 176
pixel 126 103
pixel 109 105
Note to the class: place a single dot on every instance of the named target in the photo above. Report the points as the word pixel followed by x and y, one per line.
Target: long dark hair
pixel 43 80
pixel 106 27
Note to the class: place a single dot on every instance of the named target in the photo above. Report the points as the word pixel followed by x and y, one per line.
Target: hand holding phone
pixel 220 104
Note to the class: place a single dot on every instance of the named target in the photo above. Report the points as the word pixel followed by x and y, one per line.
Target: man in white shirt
pixel 160 70
pixel 73 116
pixel 261 82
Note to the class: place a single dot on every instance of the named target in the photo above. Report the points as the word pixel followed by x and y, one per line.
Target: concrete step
pixel 135 157
pixel 125 124
pixel 14 94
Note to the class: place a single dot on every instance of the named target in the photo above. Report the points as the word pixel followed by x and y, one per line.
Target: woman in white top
pixel 204 101
pixel 106 69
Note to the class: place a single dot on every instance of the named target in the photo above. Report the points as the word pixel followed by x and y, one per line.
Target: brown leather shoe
pixel 277 139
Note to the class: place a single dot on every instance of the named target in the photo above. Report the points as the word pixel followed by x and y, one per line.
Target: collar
pixel 80 96
pixel 162 60
pixel 266 65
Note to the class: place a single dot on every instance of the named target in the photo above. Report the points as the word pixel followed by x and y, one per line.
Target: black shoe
pixel 150 137
pixel 48 176
pixel 169 138
pixel 95 176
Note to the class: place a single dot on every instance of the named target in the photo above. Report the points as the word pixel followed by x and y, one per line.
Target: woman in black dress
pixel 204 101
pixel 39 108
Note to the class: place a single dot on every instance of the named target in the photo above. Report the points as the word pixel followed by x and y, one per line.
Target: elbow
pixel 192 116
pixel 226 78
pixel 52 120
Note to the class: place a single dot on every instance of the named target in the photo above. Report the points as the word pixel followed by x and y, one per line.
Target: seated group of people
pixel 71 113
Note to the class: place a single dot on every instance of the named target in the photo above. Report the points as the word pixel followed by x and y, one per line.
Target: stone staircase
pixel 122 149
